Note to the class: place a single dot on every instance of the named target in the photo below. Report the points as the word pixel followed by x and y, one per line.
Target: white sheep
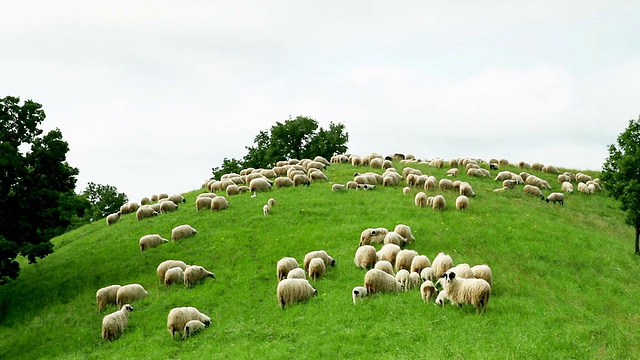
pixel 419 262
pixel 180 316
pixel 462 271
pixel 533 190
pixel 462 202
pixel 405 232
pixel 328 260
pixel 113 324
pixel 388 252
pixel 483 272
pixel 301 179
pixel 259 184
pixel 112 218
pixel 167 206
pixel 285 265
pixel 177 198
pixel 127 294
pixel 462 291
pixel 297 273
pixel 376 280
pixel 317 268
pixel 283 182
pixel 192 327
pixel 385 266
pixel 195 273
pixel 182 231
pixel 567 187
pixel 402 276
pixel 404 259
pixel 106 296
pixel 445 184
pixel 441 264
pixel 373 235
pixel 453 172
pixel 583 188
pixel 271 202
pixel 439 203
pixel 406 190
pixel 152 240
pixel 466 190
pixel 427 290
pixel 338 187
pixel 266 209
pixel 168 264
pixel 232 189
pixel 203 202
pixel 427 274
pixel 414 280
pixel 365 257
pixel 420 199
pixel 556 197
pixel 441 298
pixel 393 237
pixel 144 212
pixel 173 275
pixel 290 291
pixel 358 292
pixel 219 203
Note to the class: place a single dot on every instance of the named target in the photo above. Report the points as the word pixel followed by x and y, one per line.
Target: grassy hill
pixel 565 283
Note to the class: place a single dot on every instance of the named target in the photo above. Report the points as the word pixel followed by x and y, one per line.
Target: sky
pixel 150 95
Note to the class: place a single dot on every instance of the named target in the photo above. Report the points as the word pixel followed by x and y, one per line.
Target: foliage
pixel 104 200
pixel 34 184
pixel 621 175
pixel 228 166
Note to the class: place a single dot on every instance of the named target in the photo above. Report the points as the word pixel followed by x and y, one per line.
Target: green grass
pixel 564 280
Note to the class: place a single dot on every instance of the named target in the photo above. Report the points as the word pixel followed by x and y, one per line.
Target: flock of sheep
pixel 392 268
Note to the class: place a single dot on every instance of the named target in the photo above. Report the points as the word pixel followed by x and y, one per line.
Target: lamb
pixel 393 237
pixel 283 182
pixel 358 292
pixel 365 257
pixel 114 323
pixel 376 281
pixel 180 316
pixel 388 252
pixel 338 187
pixel 439 203
pixel 152 240
pixel 203 202
pixel 427 274
pixel 285 265
pixel 462 291
pixel 297 273
pixel 533 190
pixel 173 275
pixel 168 264
pixel 266 209
pixel 259 184
pixel 483 272
pixel 441 298
pixel 192 327
pixel 195 273
pixel 112 218
pixel 427 290
pixel 402 276
pixel 328 260
pixel 182 231
pixel 106 296
pixel 556 197
pixel 419 262
pixel 385 266
pixel 406 190
pixel 462 202
pixel 219 203
pixel 441 264
pixel 404 259
pixel 405 232
pixel 420 199
pixel 352 185
pixel 271 202
pixel 317 268
pixel 145 212
pixel 290 291
pixel 130 293
pixel 414 280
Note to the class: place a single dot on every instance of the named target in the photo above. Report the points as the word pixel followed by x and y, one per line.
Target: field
pixel 562 287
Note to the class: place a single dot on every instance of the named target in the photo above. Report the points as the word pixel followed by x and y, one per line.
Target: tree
pixel 621 175
pixel 228 166
pixel 104 200
pixel 36 185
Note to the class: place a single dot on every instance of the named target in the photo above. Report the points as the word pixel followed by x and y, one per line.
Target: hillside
pixel 563 279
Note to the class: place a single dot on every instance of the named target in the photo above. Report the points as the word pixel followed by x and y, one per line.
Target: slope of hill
pixel 564 280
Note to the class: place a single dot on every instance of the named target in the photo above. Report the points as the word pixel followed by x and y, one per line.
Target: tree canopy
pixel 621 175
pixel 37 201
pixel 104 200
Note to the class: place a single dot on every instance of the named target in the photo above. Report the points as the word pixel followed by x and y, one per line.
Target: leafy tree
pixel 104 200
pixel 36 185
pixel 228 166
pixel 621 175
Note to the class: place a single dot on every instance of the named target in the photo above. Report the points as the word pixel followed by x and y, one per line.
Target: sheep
pixel 297 273
pixel 420 199
pixel 232 189
pixel 177 198
pixel 430 183
pixel 427 274
pixel 266 209
pixel 393 237
pixel 182 231
pixel 145 212
pixel 283 182
pixel 168 264
pixel 365 257
pixel 112 218
pixel 406 190
pixel 439 203
pixel 318 176
pixel 567 187
pixel 219 203
pixel 462 202
pixel 328 260
pixel 483 272
pixel 405 232
pixel 533 190
pixel 466 190
pixel 373 235
pixel 453 172
pixel 441 298
pixel 192 327
pixel 317 268
pixel 290 291
pixel 259 184
pixel 113 324
pixel 162 196
pixel 583 188
pixel 503 175
pixel 152 240
pixel 441 264
pixel 203 202
pixel 510 184
pixel 580 177
pixel 402 276
pixel 556 197
pixel 301 179
pixel 195 273
pixel 388 252
pixel 173 275
pixel 462 291
pixel 271 202
pixel 285 265
pixel 154 198
pixel 130 293
pixel 462 271
pixel 419 262
pixel 106 296
pixel 145 201
pixel 358 292
pixel 427 290
pixel 404 259
pixel 352 185
pixel 338 187
pixel 180 316
pixel 376 281
pixel 414 280
pixel 124 209
pixel 445 184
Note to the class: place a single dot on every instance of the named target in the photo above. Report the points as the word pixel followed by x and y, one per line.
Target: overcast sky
pixel 150 95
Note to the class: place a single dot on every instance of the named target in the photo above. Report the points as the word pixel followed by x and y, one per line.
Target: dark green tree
pixel 228 166
pixel 104 200
pixel 36 185
pixel 621 175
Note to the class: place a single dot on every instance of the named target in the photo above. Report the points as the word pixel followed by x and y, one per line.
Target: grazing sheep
pixel 439 203
pixel 182 231
pixel 365 257
pixel 402 276
pixel 283 182
pixel 112 218
pixel 510 184
pixel 297 273
pixel 580 177
pixel 385 266
pixel 445 184
pixel 232 189
pixel 427 290
pixel 419 262
pixel 358 292
pixel 462 291
pixel 405 232
pixel 441 298
pixel 376 280
pixel 145 212
pixel 130 293
pixel 290 291
pixel 173 275
pixel 177 198
pixel 567 187
pixel 583 188
pixel 106 296
pixel 466 190
pixel 285 265
pixel 219 203
pixel 441 264
pixel 483 272
pixel 352 185
pixel 406 190
pixel 113 324
pixel 203 202
pixel 393 237
pixel 404 259
pixel 145 201
pixel 328 260
pixel 124 209
pixel 420 199
pixel 430 183
pixel 266 209
pixel 316 268
pixel 195 273
pixel 556 197
pixel 271 202
pixel 180 316
pixel 301 179
pixel 373 235
pixel 453 172
pixel 338 187
pixel 388 252
pixel 462 202
pixel 259 184
pixel 168 264
pixel 192 327
pixel 533 190
pixel 152 240
pixel 414 280
pixel 427 274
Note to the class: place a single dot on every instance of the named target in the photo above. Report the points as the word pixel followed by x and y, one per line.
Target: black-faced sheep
pixel 195 273
pixel 112 218
pixel 376 280
pixel 290 291
pixel 182 231
pixel 179 317
pixel 556 197
pixel 114 323
pixel 365 257
pixel 358 292
pixel 192 327
pixel 441 264
pixel 285 265
pixel 373 235
pixel 152 240
pixel 177 198
pixel 317 268
pixel 174 275
pixel 328 260
pixel 127 294
pixel 168 264
pixel 219 203
pixel 106 296
pixel 462 291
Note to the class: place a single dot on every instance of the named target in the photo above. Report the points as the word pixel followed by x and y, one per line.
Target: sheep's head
pixel 127 307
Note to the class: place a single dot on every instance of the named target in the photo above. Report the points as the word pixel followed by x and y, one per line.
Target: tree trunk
pixel 638 239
